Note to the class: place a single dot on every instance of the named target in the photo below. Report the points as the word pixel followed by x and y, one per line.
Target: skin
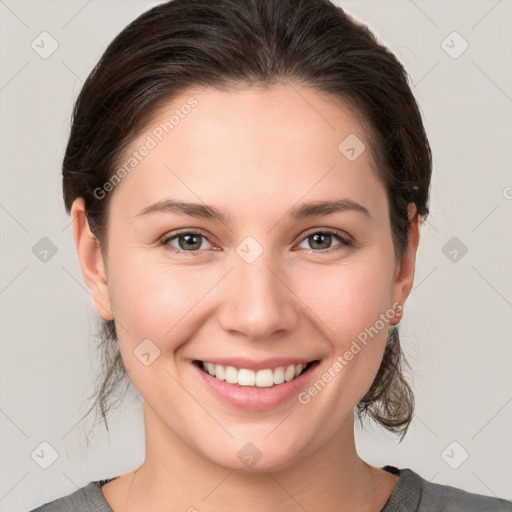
pixel 255 154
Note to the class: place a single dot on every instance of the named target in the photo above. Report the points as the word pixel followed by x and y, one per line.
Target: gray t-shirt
pixel 412 493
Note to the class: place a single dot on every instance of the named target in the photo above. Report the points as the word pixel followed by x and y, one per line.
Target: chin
pixel 261 455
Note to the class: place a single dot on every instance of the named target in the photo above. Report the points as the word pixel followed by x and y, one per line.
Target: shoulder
pixel 413 492
pixel 85 499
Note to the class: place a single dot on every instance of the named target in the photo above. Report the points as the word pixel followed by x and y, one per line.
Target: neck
pixel 175 475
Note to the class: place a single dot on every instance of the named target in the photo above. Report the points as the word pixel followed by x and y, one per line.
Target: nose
pixel 258 299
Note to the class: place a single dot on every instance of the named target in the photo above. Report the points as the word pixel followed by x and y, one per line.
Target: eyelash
pixel 344 242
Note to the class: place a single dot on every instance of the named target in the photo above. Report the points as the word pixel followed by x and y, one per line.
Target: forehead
pixel 282 142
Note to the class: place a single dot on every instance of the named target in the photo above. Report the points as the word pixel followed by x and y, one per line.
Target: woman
pixel 247 181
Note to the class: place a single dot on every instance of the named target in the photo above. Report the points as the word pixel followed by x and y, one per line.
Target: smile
pixel 264 378
pixel 255 386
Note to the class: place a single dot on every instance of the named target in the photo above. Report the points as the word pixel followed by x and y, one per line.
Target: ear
pixel 404 273
pixel 91 260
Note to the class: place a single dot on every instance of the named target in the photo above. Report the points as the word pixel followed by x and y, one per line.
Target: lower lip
pixel 252 398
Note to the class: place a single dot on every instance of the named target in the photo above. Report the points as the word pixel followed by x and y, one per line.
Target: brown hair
pixel 220 43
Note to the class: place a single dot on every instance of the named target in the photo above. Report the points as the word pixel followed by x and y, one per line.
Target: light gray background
pixel 457 327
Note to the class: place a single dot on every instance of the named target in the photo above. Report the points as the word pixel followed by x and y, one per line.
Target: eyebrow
pixel 312 209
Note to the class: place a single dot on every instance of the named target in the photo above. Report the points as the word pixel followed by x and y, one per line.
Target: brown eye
pixel 187 241
pixel 321 241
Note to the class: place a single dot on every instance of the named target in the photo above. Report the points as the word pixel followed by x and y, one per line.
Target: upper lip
pixel 249 364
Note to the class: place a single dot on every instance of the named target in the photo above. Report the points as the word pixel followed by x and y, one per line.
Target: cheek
pixel 156 299
pixel 347 298
pixel 350 305
pixel 155 308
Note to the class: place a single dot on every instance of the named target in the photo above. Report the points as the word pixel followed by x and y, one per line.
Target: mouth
pixel 263 378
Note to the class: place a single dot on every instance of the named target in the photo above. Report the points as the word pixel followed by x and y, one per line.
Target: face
pixel 256 285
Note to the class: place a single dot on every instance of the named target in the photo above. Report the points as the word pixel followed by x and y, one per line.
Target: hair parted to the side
pixel 235 43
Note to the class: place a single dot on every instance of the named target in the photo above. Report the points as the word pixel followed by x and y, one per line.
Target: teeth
pixel 262 378
pixel 231 375
pixel 289 373
pixel 220 372
pixel 246 377
pixel 279 375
